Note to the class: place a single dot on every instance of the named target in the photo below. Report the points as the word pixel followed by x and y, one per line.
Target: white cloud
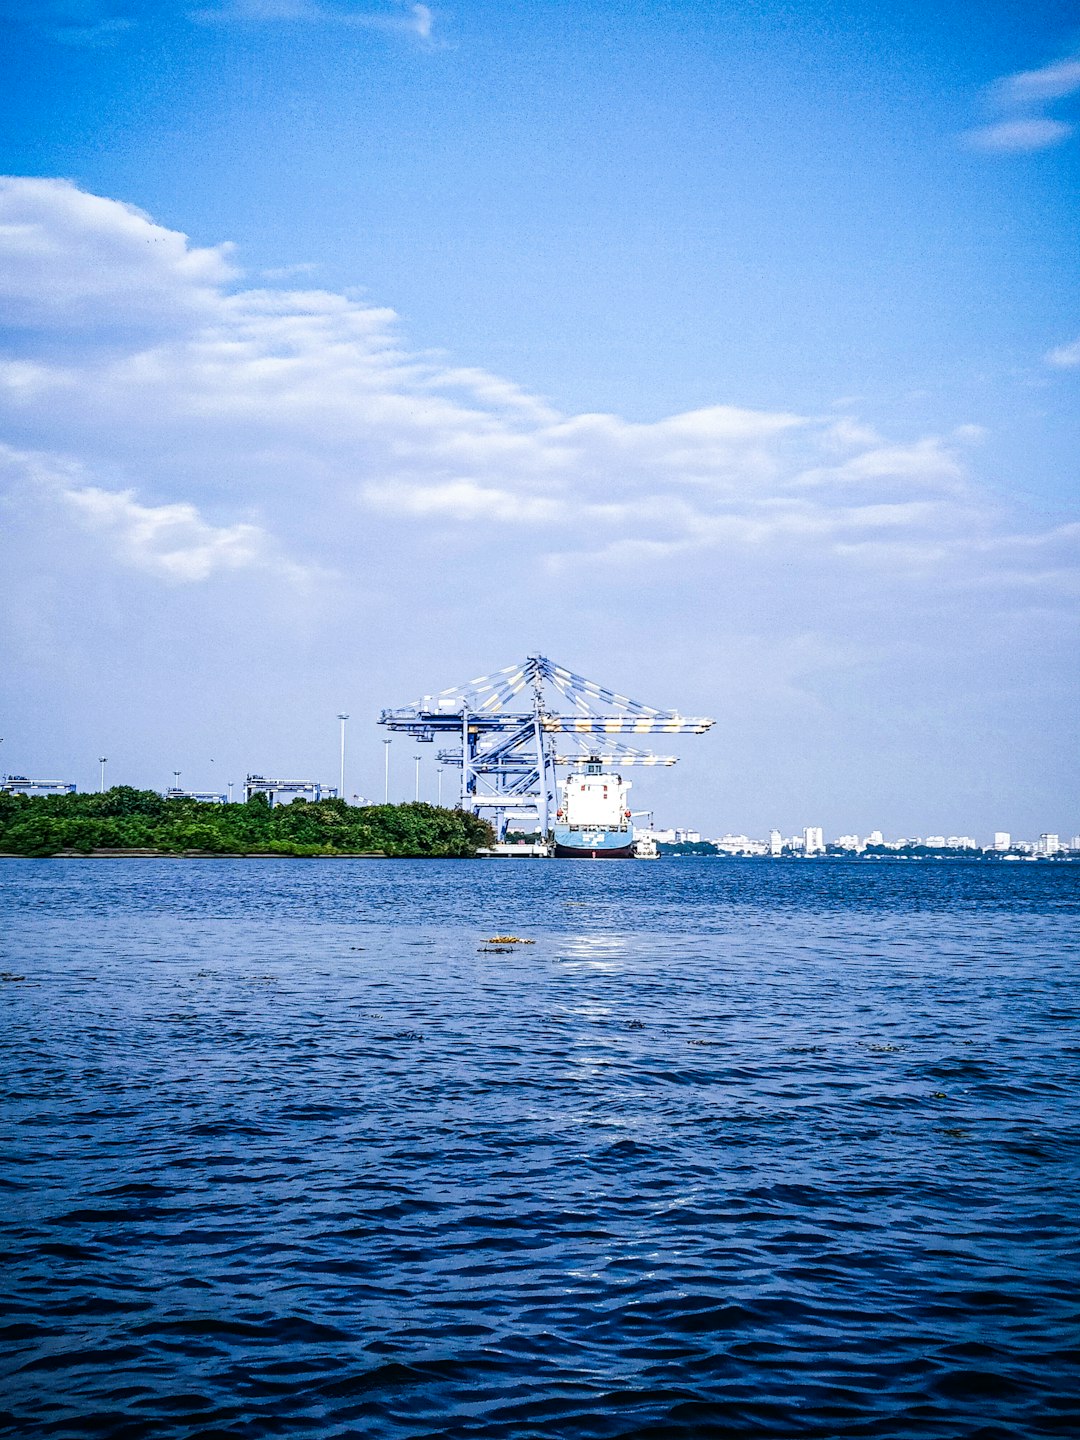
pixel 85 24
pixel 171 542
pixel 464 500
pixel 97 24
pixel 75 259
pixel 1065 356
pixel 1018 137
pixel 97 36
pixel 302 422
pixel 288 272
pixel 400 16
pixel 1021 98
pixel 1051 82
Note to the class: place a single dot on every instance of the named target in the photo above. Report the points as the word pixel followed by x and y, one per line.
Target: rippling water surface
pixel 734 1149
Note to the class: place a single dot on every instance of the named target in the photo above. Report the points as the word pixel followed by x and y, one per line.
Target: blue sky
pixel 727 354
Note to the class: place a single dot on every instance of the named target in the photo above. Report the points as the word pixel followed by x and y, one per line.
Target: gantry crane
pixel 508 747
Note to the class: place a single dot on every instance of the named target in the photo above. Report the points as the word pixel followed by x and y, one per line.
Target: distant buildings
pixel 741 845
pixel 812 843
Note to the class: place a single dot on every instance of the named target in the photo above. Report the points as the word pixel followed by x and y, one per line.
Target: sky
pixel 726 354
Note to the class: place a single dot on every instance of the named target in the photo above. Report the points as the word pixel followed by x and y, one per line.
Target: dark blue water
pixel 734 1149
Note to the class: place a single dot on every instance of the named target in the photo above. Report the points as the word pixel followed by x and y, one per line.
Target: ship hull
pixel 593 844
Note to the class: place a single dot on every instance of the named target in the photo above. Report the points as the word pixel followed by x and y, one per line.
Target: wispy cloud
pixel 1017 137
pixel 1065 357
pixel 1021 99
pixel 289 272
pixel 96 36
pixel 173 542
pixel 98 24
pixel 396 17
pixel 85 24
pixel 1032 87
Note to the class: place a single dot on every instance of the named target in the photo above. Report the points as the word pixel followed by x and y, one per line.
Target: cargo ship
pixel 593 818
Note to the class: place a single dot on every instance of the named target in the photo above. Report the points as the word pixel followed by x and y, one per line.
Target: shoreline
pixel 149 854
pixel 137 853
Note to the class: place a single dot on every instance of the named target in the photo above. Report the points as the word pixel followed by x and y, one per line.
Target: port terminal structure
pixel 510 731
pixel 23 785
pixel 310 789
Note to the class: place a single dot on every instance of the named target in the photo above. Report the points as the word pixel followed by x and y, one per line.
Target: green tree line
pixel 126 819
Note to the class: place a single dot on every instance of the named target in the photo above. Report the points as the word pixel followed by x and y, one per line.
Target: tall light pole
pixel 103 760
pixel 341 787
pixel 386 769
pixel 417 759
pixel 230 791
pixel 438 774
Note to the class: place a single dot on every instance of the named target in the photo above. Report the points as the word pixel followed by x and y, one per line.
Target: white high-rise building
pixel 1049 844
pixel 814 840
pixel 776 843
pixel 1002 840
pixel 875 838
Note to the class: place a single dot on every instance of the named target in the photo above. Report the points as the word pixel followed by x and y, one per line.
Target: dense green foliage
pixel 123 818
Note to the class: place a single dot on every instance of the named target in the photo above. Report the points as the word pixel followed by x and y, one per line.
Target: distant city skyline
pixel 729 356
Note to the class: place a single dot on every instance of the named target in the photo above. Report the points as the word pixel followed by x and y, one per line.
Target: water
pixel 734 1149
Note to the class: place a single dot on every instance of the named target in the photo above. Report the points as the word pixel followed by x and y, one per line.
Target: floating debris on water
pixel 10 975
pixel 494 949
pixel 509 940
pixel 635 1024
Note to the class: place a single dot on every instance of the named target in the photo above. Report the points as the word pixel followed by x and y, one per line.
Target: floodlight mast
pixel 508 755
pixel 342 717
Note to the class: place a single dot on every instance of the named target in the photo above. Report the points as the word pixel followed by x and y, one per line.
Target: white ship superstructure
pixel 593 818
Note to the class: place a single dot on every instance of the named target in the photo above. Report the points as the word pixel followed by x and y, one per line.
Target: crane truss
pixel 509 731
